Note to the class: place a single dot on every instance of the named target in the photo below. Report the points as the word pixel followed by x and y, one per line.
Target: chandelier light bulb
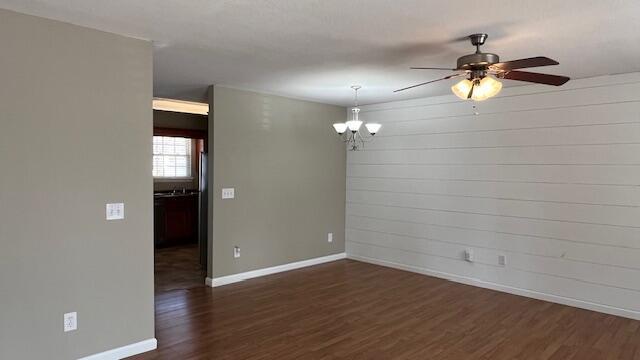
pixel 354 125
pixel 373 128
pixel 340 128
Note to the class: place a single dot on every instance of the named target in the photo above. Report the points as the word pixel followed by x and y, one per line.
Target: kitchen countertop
pixel 177 194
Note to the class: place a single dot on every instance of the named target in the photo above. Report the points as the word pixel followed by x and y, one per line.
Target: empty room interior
pixel 306 179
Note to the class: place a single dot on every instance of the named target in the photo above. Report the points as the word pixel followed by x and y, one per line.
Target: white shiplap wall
pixel 548 177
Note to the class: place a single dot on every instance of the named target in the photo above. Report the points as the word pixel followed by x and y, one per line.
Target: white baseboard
pixel 125 351
pixel 230 279
pixel 504 288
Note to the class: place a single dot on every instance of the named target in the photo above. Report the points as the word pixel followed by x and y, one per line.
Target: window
pixel 171 157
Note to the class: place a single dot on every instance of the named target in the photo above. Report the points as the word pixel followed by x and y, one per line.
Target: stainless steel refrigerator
pixel 203 205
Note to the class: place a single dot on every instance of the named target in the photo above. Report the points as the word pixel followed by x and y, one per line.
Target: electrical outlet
pixel 236 252
pixel 70 321
pixel 330 237
pixel 502 260
pixel 468 255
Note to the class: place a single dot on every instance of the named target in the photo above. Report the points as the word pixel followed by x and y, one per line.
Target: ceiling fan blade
pixel 524 63
pixel 428 82
pixel 537 78
pixel 431 68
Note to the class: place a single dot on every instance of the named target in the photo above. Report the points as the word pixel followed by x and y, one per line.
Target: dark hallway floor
pixel 178 267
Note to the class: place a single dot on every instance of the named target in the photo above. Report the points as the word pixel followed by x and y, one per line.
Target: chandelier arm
pixel 353 142
pixel 367 138
pixel 349 138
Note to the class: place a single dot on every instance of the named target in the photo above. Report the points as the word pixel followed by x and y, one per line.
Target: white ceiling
pixel 316 49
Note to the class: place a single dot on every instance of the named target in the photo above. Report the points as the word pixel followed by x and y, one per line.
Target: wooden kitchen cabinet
pixel 175 219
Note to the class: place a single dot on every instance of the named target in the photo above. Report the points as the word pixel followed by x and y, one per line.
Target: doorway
pixel 180 146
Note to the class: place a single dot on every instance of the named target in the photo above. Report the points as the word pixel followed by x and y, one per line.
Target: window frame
pixel 190 161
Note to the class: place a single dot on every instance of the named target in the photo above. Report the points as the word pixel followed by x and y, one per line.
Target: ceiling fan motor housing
pixel 477 61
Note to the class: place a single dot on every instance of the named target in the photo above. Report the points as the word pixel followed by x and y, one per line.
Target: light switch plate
pixel 115 211
pixel 468 255
pixel 330 237
pixel 228 193
pixel 70 321
pixel 236 252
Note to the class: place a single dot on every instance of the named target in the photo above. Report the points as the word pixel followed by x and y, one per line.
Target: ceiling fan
pixel 479 70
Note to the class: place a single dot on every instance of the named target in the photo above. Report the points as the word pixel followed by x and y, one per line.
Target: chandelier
pixel 353 137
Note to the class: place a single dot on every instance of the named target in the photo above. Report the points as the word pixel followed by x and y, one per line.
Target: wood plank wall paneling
pixel 548 177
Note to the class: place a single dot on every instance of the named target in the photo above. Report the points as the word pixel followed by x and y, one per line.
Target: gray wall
pixel 75 134
pixel 288 169
pixel 548 177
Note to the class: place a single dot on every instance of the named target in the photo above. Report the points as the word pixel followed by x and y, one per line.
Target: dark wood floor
pixel 178 267
pixel 353 310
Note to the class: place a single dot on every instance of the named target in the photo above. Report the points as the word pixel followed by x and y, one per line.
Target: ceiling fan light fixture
pixel 488 87
pixel 482 90
pixel 462 88
pixel 340 128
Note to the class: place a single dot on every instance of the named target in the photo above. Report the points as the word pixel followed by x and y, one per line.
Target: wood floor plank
pixel 352 310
